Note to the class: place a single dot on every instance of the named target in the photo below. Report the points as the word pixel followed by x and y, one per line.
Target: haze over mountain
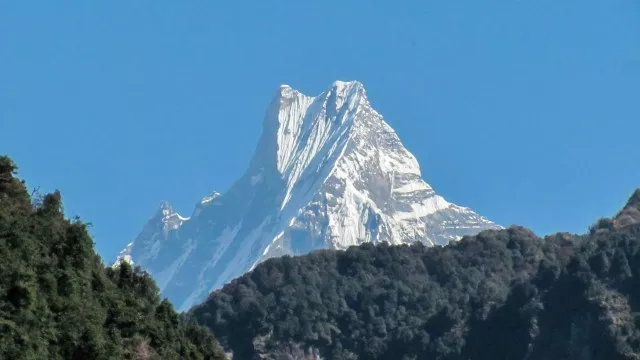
pixel 328 172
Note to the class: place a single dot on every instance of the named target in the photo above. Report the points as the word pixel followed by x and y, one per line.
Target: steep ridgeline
pixel 502 294
pixel 328 173
pixel 59 302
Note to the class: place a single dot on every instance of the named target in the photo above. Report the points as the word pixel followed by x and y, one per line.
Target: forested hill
pixel 499 295
pixel 58 301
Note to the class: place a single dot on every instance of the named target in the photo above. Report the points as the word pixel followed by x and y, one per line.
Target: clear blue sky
pixel 526 111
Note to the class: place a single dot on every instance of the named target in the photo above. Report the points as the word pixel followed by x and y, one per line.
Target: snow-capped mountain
pixel 328 172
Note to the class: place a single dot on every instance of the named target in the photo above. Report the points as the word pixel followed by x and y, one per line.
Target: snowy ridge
pixel 150 241
pixel 328 172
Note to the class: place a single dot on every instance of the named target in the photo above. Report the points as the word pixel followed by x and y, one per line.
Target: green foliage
pixel 58 301
pixel 499 295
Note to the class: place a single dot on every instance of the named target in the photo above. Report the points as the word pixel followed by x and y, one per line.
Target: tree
pixel 58 300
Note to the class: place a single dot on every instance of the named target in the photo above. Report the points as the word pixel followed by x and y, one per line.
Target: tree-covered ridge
pixel 630 214
pixel 58 301
pixel 499 295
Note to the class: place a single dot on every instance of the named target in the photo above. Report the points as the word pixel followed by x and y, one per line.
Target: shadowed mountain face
pixel 502 294
pixel 328 173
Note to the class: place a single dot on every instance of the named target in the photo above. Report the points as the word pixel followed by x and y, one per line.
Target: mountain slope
pixel 502 294
pixel 328 172
pixel 58 301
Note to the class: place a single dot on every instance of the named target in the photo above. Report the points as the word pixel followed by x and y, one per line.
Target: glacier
pixel 328 173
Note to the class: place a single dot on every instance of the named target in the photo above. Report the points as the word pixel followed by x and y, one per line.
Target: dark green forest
pixel 59 301
pixel 505 294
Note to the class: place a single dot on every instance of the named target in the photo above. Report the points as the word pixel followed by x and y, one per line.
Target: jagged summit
pixel 338 85
pixel 164 221
pixel 333 97
pixel 344 88
pixel 303 133
pixel 327 172
pixel 169 216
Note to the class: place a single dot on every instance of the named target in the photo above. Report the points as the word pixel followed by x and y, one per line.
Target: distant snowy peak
pixel 169 218
pixel 157 230
pixel 327 172
pixel 310 131
pixel 336 145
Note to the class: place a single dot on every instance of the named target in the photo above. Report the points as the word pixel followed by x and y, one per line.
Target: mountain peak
pixel 337 89
pixel 286 92
pixel 328 172
pixel 165 207
pixel 338 85
pixel 166 211
pixel 347 86
pixel 300 128
pixel 167 217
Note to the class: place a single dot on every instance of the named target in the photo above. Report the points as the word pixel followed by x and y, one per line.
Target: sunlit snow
pixel 328 172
